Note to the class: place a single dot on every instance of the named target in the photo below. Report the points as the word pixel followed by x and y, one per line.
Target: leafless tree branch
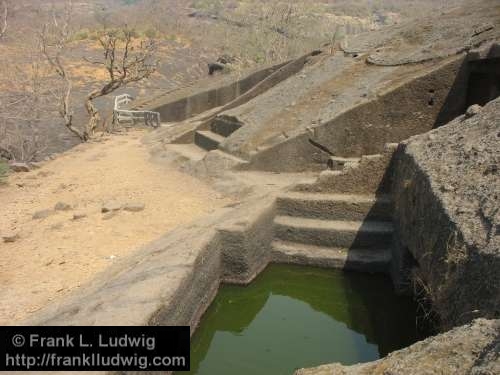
pixel 54 38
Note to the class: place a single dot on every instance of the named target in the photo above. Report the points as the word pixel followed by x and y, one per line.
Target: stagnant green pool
pixel 292 317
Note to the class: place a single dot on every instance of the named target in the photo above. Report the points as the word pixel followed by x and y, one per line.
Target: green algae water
pixel 292 317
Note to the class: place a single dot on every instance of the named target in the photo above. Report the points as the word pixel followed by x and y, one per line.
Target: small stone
pixel 111 206
pixel 42 214
pixel 473 110
pixel 10 237
pixel 134 207
pixel 19 167
pixel 79 215
pixel 61 206
pixel 56 226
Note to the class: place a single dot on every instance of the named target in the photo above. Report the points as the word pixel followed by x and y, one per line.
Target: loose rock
pixel 473 110
pixel 61 206
pixel 111 206
pixel 79 215
pixel 109 215
pixel 10 237
pixel 134 207
pixel 42 214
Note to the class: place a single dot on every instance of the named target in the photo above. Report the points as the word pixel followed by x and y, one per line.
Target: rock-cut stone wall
pixel 447 216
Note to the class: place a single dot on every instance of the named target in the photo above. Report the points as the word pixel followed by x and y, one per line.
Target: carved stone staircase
pixel 343 220
pixel 333 230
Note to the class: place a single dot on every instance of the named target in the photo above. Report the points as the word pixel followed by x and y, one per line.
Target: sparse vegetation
pixel 54 39
pixel 186 35
pixel 4 168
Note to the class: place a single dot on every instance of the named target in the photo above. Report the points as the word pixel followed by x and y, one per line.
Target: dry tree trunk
pixel 124 64
pixel 93 112
pixel 5 18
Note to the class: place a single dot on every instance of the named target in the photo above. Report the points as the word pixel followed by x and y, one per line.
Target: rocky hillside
pixel 189 35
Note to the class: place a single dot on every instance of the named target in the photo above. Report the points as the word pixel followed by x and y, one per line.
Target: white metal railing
pixel 121 115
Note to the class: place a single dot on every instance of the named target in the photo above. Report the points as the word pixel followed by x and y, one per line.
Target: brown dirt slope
pixel 56 253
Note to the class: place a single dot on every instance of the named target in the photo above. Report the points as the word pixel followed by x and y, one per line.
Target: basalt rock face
pixel 470 349
pixel 447 217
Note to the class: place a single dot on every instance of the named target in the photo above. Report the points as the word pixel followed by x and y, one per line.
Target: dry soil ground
pixel 56 254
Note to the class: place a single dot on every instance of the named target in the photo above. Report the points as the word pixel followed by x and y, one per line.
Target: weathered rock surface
pixel 439 35
pixel 461 351
pixel 447 189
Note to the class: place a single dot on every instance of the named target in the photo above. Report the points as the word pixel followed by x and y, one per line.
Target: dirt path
pixel 56 254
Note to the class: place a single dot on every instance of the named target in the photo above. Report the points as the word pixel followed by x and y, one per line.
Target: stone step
pixel 366 260
pixel 189 151
pixel 207 139
pixel 349 207
pixel 224 126
pixel 335 233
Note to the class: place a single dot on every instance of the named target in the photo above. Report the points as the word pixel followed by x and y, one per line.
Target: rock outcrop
pixel 447 192
pixel 461 351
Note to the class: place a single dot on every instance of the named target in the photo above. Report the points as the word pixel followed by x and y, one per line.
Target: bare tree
pixel 54 39
pixel 124 62
pixel 5 18
pixel 23 106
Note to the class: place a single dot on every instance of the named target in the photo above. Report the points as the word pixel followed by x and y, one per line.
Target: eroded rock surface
pixel 448 219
